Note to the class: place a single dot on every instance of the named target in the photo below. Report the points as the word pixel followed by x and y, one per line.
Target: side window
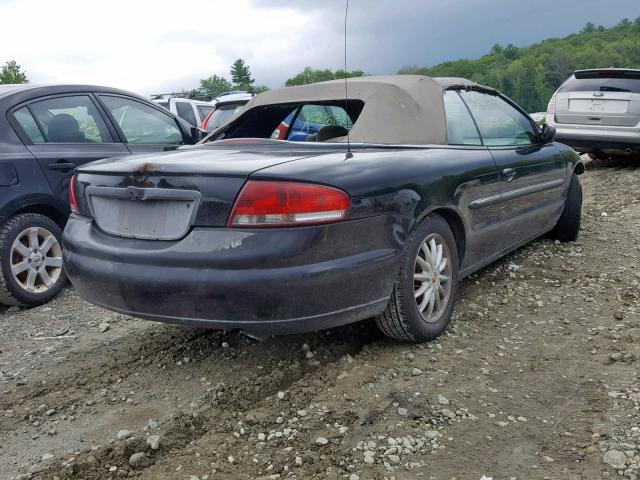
pixel 29 125
pixel 460 127
pixel 185 111
pixel 500 124
pixel 142 124
pixel 70 120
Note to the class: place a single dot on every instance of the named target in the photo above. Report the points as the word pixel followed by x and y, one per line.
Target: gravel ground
pixel 536 378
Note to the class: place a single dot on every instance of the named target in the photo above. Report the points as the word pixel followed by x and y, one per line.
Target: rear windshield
pixel 603 82
pixel 222 113
pixel 204 110
pixel 302 122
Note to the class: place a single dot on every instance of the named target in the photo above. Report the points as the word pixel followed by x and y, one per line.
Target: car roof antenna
pixel 346 88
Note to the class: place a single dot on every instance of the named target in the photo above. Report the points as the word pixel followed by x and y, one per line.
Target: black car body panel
pixel 275 281
pixel 240 282
pixel 299 278
pixel 193 169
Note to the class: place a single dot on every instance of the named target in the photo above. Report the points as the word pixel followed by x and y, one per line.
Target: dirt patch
pixel 537 378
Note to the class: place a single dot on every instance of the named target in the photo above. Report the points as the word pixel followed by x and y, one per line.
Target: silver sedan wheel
pixel 36 260
pixel 432 278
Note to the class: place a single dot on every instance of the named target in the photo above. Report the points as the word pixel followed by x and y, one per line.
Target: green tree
pixel 312 75
pixel 214 85
pixel 11 72
pixel 260 89
pixel 624 23
pixel 511 52
pixel 351 74
pixel 241 75
pixel 497 49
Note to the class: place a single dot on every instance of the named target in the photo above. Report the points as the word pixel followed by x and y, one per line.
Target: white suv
pixel 192 111
pixel 598 112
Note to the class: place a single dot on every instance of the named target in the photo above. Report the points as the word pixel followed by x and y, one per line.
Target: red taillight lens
pixel 72 195
pixel 272 204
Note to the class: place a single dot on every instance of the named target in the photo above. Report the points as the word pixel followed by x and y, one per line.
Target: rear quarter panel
pixel 407 184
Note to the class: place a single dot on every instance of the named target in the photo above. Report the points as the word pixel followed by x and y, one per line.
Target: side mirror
pixel 198 134
pixel 548 133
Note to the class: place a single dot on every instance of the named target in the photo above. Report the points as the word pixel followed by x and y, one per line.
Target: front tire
pixel 31 270
pixel 568 226
pixel 423 298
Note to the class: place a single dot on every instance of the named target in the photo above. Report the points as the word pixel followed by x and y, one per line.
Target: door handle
pixel 63 166
pixel 508 174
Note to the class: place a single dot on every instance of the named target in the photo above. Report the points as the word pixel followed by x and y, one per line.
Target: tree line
pixel 532 74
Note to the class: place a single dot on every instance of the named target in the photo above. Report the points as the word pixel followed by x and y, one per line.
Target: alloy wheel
pixel 432 278
pixel 36 259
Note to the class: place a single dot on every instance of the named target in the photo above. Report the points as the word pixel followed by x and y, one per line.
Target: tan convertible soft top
pixel 398 109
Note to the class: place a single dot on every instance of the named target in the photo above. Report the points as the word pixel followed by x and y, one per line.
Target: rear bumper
pixel 262 281
pixel 590 138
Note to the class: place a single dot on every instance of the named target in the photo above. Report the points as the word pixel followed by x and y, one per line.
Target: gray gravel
pixel 537 378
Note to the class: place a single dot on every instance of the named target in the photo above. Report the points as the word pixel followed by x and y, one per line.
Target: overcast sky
pixel 166 45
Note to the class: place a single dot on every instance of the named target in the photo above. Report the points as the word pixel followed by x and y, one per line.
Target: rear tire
pixel 31 271
pixel 568 226
pixel 414 314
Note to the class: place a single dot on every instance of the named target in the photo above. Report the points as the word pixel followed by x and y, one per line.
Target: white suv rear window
pixel 603 82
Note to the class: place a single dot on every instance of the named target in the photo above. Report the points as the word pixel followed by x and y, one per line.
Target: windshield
pixel 603 82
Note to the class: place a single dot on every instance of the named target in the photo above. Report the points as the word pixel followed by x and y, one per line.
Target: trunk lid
pixel 162 196
pixel 199 160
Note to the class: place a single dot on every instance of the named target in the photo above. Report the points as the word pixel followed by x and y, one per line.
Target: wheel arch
pixel 455 222
pixel 579 168
pixel 46 205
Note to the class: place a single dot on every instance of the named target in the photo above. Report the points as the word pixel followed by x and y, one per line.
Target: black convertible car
pixel 411 183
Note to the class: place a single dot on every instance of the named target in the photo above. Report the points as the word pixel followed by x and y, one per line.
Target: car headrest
pixel 330 131
pixel 63 128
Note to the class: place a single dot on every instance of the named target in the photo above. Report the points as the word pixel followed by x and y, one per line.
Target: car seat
pixel 328 132
pixel 64 128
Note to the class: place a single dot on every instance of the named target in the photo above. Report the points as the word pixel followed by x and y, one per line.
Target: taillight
pixel 272 204
pixel 73 202
pixel 551 108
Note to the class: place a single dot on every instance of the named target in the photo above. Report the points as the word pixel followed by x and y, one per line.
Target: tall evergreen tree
pixel 11 72
pixel 241 75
